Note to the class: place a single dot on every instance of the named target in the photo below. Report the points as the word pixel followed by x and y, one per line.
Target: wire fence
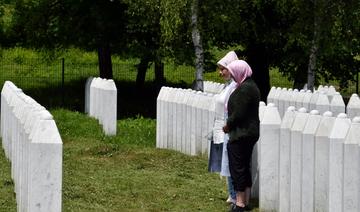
pixel 52 71
pixel 61 83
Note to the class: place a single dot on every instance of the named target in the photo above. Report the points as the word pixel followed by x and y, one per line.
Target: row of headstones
pixel 101 102
pixel 32 143
pixel 308 162
pixel 323 99
pixel 213 87
pixel 184 120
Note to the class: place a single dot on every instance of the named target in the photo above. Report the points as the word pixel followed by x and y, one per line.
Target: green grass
pixel 18 63
pixel 7 200
pixel 125 172
pixel 278 80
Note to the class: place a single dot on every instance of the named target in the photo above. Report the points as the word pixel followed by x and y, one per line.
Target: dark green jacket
pixel 243 112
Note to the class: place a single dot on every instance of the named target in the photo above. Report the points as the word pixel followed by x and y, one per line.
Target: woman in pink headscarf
pixel 218 160
pixel 242 127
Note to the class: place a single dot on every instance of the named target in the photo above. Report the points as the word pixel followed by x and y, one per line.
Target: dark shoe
pixel 235 208
pixel 248 208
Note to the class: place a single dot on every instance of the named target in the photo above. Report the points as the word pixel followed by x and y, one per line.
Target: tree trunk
pixel 105 65
pixel 313 51
pixel 199 51
pixel 142 68
pixel 311 67
pixel 300 76
pixel 258 61
pixel 159 71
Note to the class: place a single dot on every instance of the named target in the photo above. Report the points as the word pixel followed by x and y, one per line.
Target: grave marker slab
pixel 336 160
pixel 322 103
pixel 308 161
pixel 352 168
pixel 322 145
pixel 255 160
pixel 284 164
pixel 337 104
pixel 269 164
pixel 296 159
pixel 307 99
pixel 353 106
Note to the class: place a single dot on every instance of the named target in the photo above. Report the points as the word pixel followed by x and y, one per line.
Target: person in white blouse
pixel 220 139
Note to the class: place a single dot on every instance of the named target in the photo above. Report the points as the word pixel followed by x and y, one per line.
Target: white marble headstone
pixel 331 91
pixel 336 160
pixel 255 160
pixel 284 164
pixel 308 161
pixel 283 97
pixel 296 159
pixel 270 97
pixel 190 121
pixel 351 171
pixel 159 114
pixel 184 121
pixel 322 103
pixel 300 98
pixel 353 106
pixel 307 99
pixel 269 156
pixel 177 119
pixel 313 100
pixel 45 168
pixel 276 96
pixel 87 93
pixel 337 104
pixel 322 145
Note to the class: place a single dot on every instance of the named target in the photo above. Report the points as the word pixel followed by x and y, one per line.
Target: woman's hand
pixel 225 129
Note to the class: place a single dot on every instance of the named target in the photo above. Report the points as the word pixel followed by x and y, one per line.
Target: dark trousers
pixel 239 153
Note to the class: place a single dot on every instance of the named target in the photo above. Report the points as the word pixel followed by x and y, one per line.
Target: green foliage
pixel 143 29
pixel 174 16
pixel 85 24
pixel 176 34
pixel 337 33
pixel 279 32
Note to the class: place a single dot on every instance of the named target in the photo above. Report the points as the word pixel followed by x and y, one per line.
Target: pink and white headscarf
pixel 240 70
pixel 227 59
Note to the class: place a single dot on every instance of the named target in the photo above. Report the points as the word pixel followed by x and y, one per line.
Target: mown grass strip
pixel 125 172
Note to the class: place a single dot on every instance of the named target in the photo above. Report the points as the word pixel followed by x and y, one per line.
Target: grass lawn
pixel 125 172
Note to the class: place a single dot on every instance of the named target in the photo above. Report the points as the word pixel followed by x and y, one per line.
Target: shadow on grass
pixel 131 102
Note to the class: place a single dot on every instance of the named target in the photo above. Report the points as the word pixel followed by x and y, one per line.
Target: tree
pixel 160 29
pixel 92 24
pixel 338 58
pixel 199 51
pixel 254 25
pixel 326 34
pixel 298 37
pixel 144 37
pixel 1 22
pixel 314 47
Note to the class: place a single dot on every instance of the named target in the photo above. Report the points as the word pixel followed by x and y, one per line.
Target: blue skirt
pixel 215 157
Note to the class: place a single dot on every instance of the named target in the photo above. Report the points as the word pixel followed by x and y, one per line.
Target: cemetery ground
pixel 125 172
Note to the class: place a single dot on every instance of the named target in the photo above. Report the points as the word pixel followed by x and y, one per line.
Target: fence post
pixel 62 80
